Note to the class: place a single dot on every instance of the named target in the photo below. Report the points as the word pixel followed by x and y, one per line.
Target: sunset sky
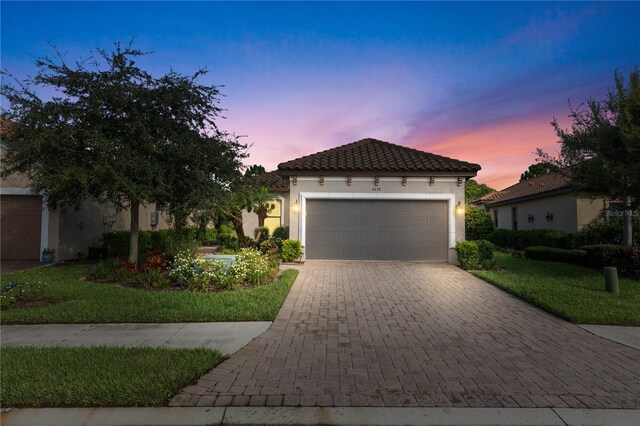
pixel 475 81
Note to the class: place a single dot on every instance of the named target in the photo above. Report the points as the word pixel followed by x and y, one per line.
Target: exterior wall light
pixel 295 207
pixel 530 218
pixel 549 216
pixel 459 209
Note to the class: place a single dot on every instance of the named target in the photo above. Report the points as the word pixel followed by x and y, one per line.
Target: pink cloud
pixel 504 150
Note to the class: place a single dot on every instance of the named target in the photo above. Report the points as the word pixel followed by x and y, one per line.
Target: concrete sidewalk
pixel 629 336
pixel 351 416
pixel 226 337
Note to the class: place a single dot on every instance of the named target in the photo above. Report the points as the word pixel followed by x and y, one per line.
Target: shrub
pixel 261 233
pixel 291 250
pixel 155 260
pixel 477 223
pixel 210 236
pixel 468 254
pixel 625 259
pixel 252 266
pixel 227 235
pixel 485 251
pixel 183 267
pixel 519 240
pixel 553 254
pixel 105 269
pixel 605 231
pixel 281 232
pixel 207 275
pixel 271 247
pixel 152 278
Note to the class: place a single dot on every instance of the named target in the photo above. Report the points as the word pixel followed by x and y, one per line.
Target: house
pixel 372 200
pixel 543 202
pixel 28 224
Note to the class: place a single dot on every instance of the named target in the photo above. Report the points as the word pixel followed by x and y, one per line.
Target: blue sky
pixel 474 81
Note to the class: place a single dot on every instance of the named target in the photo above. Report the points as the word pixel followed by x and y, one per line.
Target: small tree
pixel 119 135
pixel 601 152
pixel 474 190
pixel 538 169
pixel 261 202
pixel 477 223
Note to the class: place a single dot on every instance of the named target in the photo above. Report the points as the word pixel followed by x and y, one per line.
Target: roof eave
pixel 528 197
pixel 425 173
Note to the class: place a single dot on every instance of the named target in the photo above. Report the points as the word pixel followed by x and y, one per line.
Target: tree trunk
pixel 237 225
pixel 135 231
pixel 261 218
pixel 627 224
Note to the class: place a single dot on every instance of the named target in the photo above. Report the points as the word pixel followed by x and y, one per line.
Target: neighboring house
pixel 372 200
pixel 28 224
pixel 543 202
pixel 279 216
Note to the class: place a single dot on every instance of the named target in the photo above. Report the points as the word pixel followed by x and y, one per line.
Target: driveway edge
pixel 347 416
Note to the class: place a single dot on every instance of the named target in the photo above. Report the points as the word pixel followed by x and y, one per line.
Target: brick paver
pixel 416 334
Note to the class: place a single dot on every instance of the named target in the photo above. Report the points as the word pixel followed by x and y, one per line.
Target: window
pixel 495 218
pixel 514 218
pixel 274 217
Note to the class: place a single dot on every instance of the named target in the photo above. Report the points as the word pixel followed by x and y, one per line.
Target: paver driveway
pixel 391 333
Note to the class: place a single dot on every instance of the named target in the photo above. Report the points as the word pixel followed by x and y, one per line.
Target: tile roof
pixel 372 155
pixel 272 180
pixel 537 186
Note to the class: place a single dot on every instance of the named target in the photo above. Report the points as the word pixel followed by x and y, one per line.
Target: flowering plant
pixel 183 267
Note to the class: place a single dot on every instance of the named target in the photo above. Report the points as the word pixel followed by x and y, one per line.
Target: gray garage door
pixel 374 229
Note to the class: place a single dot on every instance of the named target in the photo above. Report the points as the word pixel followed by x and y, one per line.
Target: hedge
pixel 519 240
pixel 553 254
pixel 164 240
pixel 625 259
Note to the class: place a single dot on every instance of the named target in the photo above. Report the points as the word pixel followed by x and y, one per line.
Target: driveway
pixel 416 334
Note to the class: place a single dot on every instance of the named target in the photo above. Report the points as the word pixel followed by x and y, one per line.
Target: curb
pixel 347 416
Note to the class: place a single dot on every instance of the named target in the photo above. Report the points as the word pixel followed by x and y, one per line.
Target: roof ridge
pixel 396 158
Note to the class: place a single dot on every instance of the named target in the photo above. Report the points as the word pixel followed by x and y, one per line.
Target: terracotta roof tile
pixel 272 180
pixel 372 155
pixel 536 186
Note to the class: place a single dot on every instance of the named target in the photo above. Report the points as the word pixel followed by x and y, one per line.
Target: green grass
pixel 98 377
pixel 87 302
pixel 571 292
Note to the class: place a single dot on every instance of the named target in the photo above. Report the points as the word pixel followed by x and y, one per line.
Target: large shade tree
pixel 118 134
pixel 538 169
pixel 474 190
pixel 601 151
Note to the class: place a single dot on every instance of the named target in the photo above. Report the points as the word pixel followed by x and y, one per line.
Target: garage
pixel 376 230
pixel 20 222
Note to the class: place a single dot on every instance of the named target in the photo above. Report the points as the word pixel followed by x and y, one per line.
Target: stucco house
pixel 371 200
pixel 28 224
pixel 543 202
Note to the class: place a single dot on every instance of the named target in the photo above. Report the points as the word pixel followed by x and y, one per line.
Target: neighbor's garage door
pixel 378 230
pixel 20 221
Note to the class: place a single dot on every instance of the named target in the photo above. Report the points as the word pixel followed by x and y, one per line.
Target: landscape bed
pixel 89 302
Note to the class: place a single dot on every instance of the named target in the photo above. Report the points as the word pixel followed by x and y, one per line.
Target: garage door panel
pixel 380 229
pixel 367 221
pixel 436 222
pixel 437 238
pixel 384 221
pixel 404 222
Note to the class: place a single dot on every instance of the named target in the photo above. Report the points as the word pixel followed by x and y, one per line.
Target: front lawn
pixel 87 302
pixel 571 292
pixel 98 377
